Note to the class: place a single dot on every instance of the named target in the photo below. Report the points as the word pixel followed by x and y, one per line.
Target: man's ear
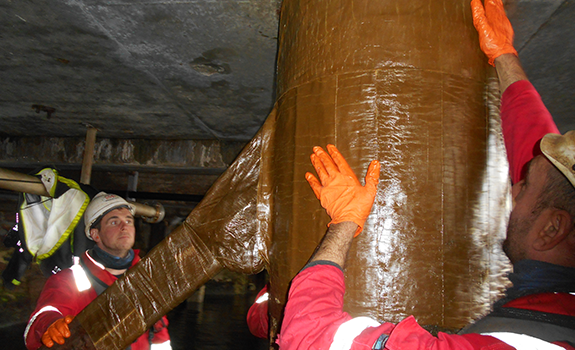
pixel 95 234
pixel 557 227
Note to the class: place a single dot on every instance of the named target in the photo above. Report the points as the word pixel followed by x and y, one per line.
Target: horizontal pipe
pixel 150 214
pixel 195 198
pixel 14 181
pixel 18 182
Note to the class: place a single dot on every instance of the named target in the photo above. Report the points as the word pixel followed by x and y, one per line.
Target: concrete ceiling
pixel 195 78
pixel 153 69
pixel 545 40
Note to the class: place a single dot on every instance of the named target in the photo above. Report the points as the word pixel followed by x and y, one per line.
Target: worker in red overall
pixel 538 311
pixel 109 223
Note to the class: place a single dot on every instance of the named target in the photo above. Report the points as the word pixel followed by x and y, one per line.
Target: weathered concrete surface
pixel 211 155
pixel 178 167
pixel 154 69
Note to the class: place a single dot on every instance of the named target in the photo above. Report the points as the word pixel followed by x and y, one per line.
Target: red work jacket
pixel 314 313
pixel 63 296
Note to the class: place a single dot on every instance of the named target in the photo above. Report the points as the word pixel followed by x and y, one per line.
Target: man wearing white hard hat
pixel 109 222
pixel 538 311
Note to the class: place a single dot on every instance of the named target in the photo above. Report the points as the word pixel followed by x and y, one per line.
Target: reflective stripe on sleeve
pixel 163 346
pixel 82 281
pixel 77 261
pixel 524 342
pixel 263 298
pixel 347 331
pixel 33 318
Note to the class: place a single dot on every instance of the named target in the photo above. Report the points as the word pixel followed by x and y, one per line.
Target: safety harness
pixel 546 326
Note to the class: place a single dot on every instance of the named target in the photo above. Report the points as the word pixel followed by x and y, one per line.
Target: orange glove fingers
pixel 495 12
pixel 57 332
pixel 372 176
pixel 324 165
pixel 495 30
pixel 338 189
pixel 319 166
pixel 340 162
pixel 370 189
pixel 63 326
pixel 47 340
pixel 314 184
pixel 479 19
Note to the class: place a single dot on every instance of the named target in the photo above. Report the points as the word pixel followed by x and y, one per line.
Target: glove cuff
pixel 359 226
pixel 504 51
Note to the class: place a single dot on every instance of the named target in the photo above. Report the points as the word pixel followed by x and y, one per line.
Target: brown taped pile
pixel 399 81
pixel 403 82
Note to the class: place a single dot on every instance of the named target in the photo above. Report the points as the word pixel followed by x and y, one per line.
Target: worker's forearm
pixel 509 70
pixel 336 243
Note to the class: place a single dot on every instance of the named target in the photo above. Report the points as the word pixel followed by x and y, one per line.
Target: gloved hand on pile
pixel 57 332
pixel 338 189
pixel 495 30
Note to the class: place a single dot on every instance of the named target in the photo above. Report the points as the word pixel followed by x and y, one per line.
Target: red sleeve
pixel 564 345
pixel 61 293
pixel 314 309
pixel 257 318
pixel 409 335
pixel 555 303
pixel 524 120
pixel 160 336
pixel 33 338
pixel 313 314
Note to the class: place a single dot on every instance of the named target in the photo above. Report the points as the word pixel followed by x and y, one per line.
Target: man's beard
pixel 517 230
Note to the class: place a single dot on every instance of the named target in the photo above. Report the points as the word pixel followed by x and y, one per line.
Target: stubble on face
pixel 525 213
pixel 514 243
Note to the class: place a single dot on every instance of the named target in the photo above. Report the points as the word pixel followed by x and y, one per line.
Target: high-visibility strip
pixel 524 342
pixel 33 318
pixel 82 281
pixel 163 346
pixel 262 298
pixel 347 331
pixel 102 267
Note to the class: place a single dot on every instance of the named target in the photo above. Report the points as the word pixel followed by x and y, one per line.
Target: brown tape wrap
pixel 402 82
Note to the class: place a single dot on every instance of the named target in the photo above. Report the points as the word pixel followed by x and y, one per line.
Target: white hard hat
pixel 102 204
pixel 560 150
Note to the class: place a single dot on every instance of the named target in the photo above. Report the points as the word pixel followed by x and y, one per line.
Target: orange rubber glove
pixel 495 30
pixel 57 332
pixel 339 191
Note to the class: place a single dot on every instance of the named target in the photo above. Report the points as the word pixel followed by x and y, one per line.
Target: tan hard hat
pixel 102 204
pixel 560 150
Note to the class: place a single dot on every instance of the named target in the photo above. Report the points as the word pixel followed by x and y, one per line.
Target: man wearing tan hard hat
pixel 560 150
pixel 538 311
pixel 109 222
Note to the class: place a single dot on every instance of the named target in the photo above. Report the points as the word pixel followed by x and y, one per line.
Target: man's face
pixel 523 222
pixel 117 232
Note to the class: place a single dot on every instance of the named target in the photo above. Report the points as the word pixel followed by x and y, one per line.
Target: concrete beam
pixel 124 153
pixel 187 167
